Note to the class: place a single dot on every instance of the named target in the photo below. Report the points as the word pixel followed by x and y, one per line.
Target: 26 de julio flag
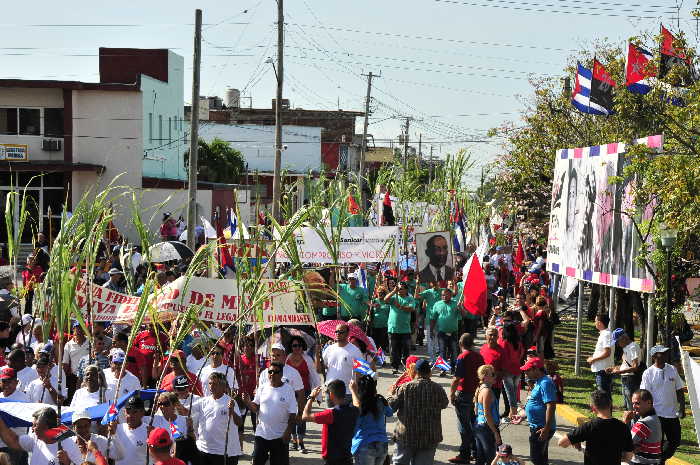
pixel 670 55
pixel 640 69
pixel 593 93
pixel 475 288
pixel 110 415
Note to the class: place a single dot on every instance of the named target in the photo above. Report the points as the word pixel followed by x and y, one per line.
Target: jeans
pixel 464 407
pixel 485 444
pixel 539 450
pixel 186 450
pixel 430 343
pixel 603 381
pixel 276 449
pixel 407 455
pixel 299 428
pixel 629 385
pixel 372 453
pixel 448 345
pixel 212 459
pixel 671 429
pixel 400 348
pixel 510 386
pixel 381 338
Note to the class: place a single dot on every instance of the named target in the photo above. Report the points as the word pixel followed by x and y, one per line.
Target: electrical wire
pixel 546 8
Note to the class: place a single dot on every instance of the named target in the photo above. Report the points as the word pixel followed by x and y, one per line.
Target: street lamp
pixel 668 239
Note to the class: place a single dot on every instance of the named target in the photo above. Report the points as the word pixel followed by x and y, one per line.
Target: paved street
pixel 516 435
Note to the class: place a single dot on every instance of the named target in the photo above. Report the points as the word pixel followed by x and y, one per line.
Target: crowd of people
pixel 218 378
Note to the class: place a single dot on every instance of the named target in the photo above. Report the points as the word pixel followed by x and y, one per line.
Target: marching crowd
pixel 193 403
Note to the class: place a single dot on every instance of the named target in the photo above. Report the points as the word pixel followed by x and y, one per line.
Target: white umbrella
pixel 169 250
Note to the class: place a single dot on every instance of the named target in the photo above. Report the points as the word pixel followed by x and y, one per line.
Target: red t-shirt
pixel 303 370
pixel 168 379
pixel 465 368
pixel 338 430
pixel 511 357
pixel 246 374
pixel 171 461
pixel 134 362
pixel 146 343
pixel 493 357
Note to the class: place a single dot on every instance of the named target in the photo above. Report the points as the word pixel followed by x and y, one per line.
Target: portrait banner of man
pixel 434 257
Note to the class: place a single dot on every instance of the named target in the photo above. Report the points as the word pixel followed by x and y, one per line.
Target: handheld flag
pixel 361 275
pixel 475 288
pixel 459 237
pixel 639 69
pixel 110 415
pixel 175 431
pixel 441 364
pixel 232 222
pixel 379 357
pixel 362 367
pixel 387 211
pixel 593 91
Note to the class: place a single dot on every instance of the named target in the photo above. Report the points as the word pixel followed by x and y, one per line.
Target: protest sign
pixel 355 245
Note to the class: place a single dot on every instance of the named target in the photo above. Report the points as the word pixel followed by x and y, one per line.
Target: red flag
pixel 353 207
pixel 475 289
pixel 519 254
pixel 388 212
pixel 225 259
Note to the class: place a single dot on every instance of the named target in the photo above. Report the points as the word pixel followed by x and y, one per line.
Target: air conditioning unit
pixel 51 145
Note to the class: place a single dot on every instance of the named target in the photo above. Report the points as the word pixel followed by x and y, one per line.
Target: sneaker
pixel 458 459
pixel 301 447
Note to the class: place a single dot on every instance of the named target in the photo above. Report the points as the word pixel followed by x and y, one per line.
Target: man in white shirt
pixel 181 387
pixel 129 382
pixel 8 390
pixel 82 426
pixel 133 434
pixel 337 359
pixel 666 387
pixel 17 359
pixel 629 367
pixel 602 357
pixel 74 350
pixel 277 408
pixel 289 374
pixel 217 420
pixel 44 389
pixel 41 443
pixel 217 366
pixel 196 360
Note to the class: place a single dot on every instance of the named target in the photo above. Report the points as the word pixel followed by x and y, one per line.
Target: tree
pixel 218 162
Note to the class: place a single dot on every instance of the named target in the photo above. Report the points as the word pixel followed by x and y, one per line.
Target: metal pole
pixel 579 324
pixel 363 144
pixel 420 147
pixel 651 316
pixel 668 296
pixel 405 143
pixel 194 132
pixel 276 181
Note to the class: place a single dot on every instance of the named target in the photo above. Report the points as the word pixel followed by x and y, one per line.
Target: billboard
pixel 590 238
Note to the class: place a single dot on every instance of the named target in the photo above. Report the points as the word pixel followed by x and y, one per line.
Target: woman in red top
pixel 510 341
pixel 248 368
pixel 307 370
pixel 32 274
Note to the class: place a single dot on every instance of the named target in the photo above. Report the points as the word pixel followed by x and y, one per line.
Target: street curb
pixel 575 418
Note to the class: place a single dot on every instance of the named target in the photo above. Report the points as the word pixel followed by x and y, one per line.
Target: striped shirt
pixel 647 438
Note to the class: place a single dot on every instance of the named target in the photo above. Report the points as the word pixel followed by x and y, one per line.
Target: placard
pixel 14 152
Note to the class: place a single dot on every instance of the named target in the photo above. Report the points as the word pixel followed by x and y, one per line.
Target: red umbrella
pixel 327 328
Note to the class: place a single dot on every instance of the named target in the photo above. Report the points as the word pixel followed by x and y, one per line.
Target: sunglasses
pixel 341 331
pixel 273 372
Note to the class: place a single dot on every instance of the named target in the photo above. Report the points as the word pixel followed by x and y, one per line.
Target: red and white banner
pixel 356 244
pixel 221 301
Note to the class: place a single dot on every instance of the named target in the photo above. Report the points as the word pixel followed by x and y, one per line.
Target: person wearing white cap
pixel 82 425
pixel 116 281
pixel 216 365
pixel 44 389
pixel 26 335
pixel 666 387
pixel 129 382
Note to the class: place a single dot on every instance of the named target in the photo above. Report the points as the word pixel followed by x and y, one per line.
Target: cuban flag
pixel 175 431
pixel 379 357
pixel 362 367
pixel 361 275
pixel 639 69
pixel 232 222
pixel 460 231
pixel 110 415
pixel 441 364
pixel 593 92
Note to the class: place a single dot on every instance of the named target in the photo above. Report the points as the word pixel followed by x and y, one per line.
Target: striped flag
pixel 379 357
pixel 639 70
pixel 175 431
pixel 362 367
pixel 441 364
pixel 110 415
pixel 361 275
pixel 593 91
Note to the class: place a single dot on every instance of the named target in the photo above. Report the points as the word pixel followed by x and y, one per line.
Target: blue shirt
pixel 371 429
pixel 536 408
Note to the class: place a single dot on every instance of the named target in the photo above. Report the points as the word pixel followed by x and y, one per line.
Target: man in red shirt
pixel 462 391
pixel 493 355
pixel 148 344
pixel 159 443
pixel 177 368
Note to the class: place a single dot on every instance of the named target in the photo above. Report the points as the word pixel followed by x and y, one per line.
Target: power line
pixel 546 8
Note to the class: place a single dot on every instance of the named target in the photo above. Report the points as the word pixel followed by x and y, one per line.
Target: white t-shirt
pixel 41 453
pixel 159 421
pixel 212 421
pixel 133 442
pixel 604 342
pixel 629 353
pixel 663 384
pixel 129 382
pixel 73 352
pixel 289 375
pixel 36 392
pixel 116 451
pixel 82 399
pixel 338 362
pixel 209 369
pixel 25 376
pixel 276 404
pixel 193 365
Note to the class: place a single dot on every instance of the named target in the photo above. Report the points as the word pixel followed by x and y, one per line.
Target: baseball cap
pixel 505 450
pixel 114 271
pixel 532 349
pixel 8 373
pixel 278 346
pixel 159 437
pixel 659 349
pixel 617 334
pixel 181 382
pixel 422 366
pixel 117 356
pixel 135 402
pixel 411 359
pixel 26 319
pixel 535 362
pixel 80 415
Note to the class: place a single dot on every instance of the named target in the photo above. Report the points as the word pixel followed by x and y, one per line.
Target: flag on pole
pixel 639 70
pixel 387 211
pixel 475 289
pixel 175 431
pixel 593 91
pixel 362 367
pixel 361 275
pixel 209 231
pixel 670 54
pixel 353 207
pixel 459 237
pixel 441 364
pixel 223 252
pixel 519 254
pixel 110 415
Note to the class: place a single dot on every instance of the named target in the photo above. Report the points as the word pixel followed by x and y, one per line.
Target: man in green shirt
pixel 399 323
pixel 353 300
pixel 428 298
pixel 380 319
pixel 447 317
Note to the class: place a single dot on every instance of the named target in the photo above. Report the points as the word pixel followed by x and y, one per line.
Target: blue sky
pixel 456 67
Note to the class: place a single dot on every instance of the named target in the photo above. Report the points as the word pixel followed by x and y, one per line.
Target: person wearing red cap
pixel 540 410
pixel 177 366
pixel 159 446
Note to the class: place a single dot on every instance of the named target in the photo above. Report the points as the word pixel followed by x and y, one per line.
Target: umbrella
pixel 169 250
pixel 198 231
pixel 327 328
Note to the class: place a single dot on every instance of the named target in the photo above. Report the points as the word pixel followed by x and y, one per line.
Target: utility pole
pixel 431 164
pixel 276 180
pixel 363 144
pixel 405 142
pixel 420 147
pixel 194 133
